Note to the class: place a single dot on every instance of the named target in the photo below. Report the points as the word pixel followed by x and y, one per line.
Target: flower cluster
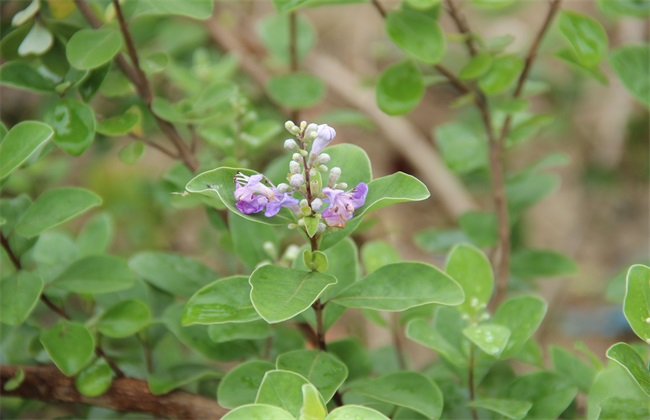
pixel 330 202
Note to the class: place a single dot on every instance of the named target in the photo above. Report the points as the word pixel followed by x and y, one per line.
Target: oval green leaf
pixel 21 75
pixel 282 389
pixel 96 274
pixel 19 294
pixel 240 385
pixel 351 411
pixel 476 66
pixel 419 284
pixel 511 409
pixel 400 88
pixel 258 412
pixel 522 315
pixel 636 305
pixel 74 125
pixel 504 72
pixel 472 270
pixel 550 393
pixel 296 90
pixel 586 36
pixel 417 34
pixel 280 293
pixel 70 346
pixel 253 330
pixel 90 48
pixel 632 362
pixel 225 300
pixel 392 189
pixel 54 207
pixel 323 370
pixel 124 319
pixel 118 125
pixel 20 143
pixel 94 380
pixel 632 65
pixel 492 339
pixel 313 406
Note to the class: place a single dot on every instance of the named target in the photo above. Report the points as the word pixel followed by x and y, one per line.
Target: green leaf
pixel 219 183
pixel 420 284
pixel 21 75
pixel 625 7
pixel 353 161
pixel 405 389
pixel 258 412
pixel 632 63
pixel 351 352
pixel 177 376
pixel 569 56
pixel 91 84
pixel 313 406
pixel 470 268
pixel 311 224
pixel 634 365
pixel 572 367
pixel 296 90
pixel 281 293
pixel 91 48
pixel 250 239
pixel 273 30
pixel 14 383
pixel 511 409
pixel 321 369
pixel 131 153
pixel 586 36
pixel 288 5
pixel 351 411
pixel 175 274
pixel 96 274
pixel 392 189
pixel 526 190
pixel 417 34
pixel 612 383
pixel 527 127
pixel 20 143
pixel 96 235
pixel 624 408
pixel 522 315
pixel 94 380
pixel 253 330
pixel 636 306
pixel 225 300
pixel 463 149
pixel 502 75
pixel 532 263
pixel 550 394
pixel 491 339
pixel 118 125
pixel 476 66
pixel 400 88
pixel 124 319
pixel 37 41
pixel 282 389
pixel 54 207
pixel 240 385
pixel 70 346
pixel 19 294
pixel 376 254
pixel 439 240
pixel 26 14
pixel 195 9
pixel 74 125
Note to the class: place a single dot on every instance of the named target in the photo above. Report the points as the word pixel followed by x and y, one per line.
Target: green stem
pixel 470 380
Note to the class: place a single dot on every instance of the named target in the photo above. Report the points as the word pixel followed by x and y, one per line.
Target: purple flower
pixel 343 204
pixel 253 196
pixel 325 135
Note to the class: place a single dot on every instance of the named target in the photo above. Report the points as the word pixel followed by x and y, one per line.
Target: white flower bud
pixel 323 158
pixel 292 226
pixel 296 157
pixel 270 250
pixel 283 188
pixel 315 188
pixel 303 124
pixel 303 153
pixel 301 222
pixel 311 129
pixel 303 203
pixel 313 172
pixel 290 144
pixel 341 186
pixel 294 167
pixel 297 180
pixel 316 204
pixel 321 227
pixel 322 168
pixel 291 253
pixel 335 173
pixel 289 125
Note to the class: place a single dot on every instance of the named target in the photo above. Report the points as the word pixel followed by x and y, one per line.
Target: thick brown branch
pixel 461 24
pixel 46 383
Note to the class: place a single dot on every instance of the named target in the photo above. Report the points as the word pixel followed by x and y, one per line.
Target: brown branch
pixel 379 8
pixel 453 80
pixel 15 260
pixel 461 24
pixel 46 383
pixel 155 145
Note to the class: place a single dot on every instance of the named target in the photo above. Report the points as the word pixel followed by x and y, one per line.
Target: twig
pixel 379 8
pixel 461 24
pixel 10 253
pixel 453 80
pixel 397 340
pixel 46 383
pixel 155 145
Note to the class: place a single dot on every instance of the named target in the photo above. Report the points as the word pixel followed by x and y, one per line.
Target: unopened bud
pixel 294 167
pixel 322 168
pixel 291 253
pixel 341 186
pixel 303 203
pixel 297 180
pixel 315 188
pixel 270 250
pixel 283 188
pixel 289 125
pixel 313 172
pixel 311 129
pixel 290 144
pixel 323 158
pixel 303 153
pixel 303 124
pixel 321 227
pixel 335 173
pixel 301 222
pixel 296 157
pixel 292 226
pixel 316 204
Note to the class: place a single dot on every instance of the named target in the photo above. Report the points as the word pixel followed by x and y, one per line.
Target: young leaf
pixel 91 48
pixel 522 315
pixel 351 411
pixel 417 34
pixel 54 207
pixel 463 149
pixel 444 336
pixel 550 393
pixel 95 379
pixel 392 189
pixel 586 36
pixel 421 284
pixel 400 88
pixel 511 409
pixel 258 412
pixel 21 75
pixel 225 300
pixel 296 90
pixel 74 125
pixel 613 383
pixel 631 361
pixel 19 294
pixel 490 338
pixel 37 41
pixel 503 74
pixel 406 389
pixel 321 369
pixel 572 367
pixel 70 346
pixel 124 319
pixel 96 235
pixel 195 9
pixel 469 267
pixel 313 406
pixel 118 125
pixel 175 274
pixel 96 274
pixel 476 66
pixel 636 306
pixel 532 263
pixel 281 293
pixel 625 7
pixel 240 385
pixel 20 143
pixel 632 64
pixel 282 389
pixel 131 153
